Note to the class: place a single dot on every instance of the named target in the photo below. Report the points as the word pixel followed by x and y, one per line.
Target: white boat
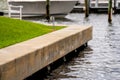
pixel 38 7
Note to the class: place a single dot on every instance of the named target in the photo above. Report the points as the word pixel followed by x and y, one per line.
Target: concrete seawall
pixel 23 59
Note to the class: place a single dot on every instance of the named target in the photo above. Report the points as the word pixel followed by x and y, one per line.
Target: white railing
pixel 15 10
pixel 96 3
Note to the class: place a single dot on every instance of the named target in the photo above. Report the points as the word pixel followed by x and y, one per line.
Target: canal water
pixel 101 59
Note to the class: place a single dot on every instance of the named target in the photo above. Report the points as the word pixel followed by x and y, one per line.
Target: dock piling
pixel 110 11
pixel 86 8
pixel 48 10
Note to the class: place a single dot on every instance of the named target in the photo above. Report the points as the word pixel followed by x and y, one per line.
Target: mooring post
pixel 86 8
pixel 114 6
pixel 48 10
pixel 110 11
pixel 52 19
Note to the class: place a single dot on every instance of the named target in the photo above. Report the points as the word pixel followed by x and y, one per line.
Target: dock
pixel 97 5
pixel 21 60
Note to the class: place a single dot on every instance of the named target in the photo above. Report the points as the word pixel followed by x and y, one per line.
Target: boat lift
pixel 99 5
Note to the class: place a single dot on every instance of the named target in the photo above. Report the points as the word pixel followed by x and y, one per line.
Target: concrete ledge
pixel 23 59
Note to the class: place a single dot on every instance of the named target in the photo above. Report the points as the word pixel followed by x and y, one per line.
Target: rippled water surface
pixel 101 59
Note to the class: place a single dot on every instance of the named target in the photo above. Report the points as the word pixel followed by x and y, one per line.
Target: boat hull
pixel 39 7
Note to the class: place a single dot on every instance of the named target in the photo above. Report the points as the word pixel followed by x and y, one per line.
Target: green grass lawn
pixel 14 31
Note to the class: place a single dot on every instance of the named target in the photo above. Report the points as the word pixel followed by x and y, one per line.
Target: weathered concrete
pixel 23 59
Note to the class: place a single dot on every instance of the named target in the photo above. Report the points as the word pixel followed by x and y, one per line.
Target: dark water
pixel 101 59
